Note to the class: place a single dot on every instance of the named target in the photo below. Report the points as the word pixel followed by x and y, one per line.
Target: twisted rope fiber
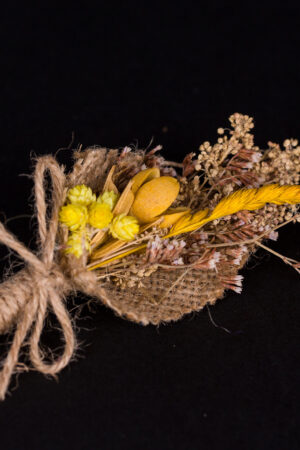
pixel 26 297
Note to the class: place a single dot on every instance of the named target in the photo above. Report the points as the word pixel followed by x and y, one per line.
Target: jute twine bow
pixel 26 297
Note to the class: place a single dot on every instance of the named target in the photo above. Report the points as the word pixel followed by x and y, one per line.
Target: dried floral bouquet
pixel 152 239
pixel 199 219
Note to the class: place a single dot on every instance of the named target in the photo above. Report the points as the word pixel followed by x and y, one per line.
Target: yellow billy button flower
pixel 73 216
pixel 76 243
pixel 109 198
pixel 124 227
pixel 100 215
pixel 81 195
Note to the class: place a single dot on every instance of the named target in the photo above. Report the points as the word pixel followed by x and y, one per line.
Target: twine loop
pixel 42 284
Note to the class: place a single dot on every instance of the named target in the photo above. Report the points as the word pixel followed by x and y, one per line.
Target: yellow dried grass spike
pixel 252 199
pixel 243 199
pixel 188 222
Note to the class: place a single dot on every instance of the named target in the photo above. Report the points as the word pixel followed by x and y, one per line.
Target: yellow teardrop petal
pixel 144 176
pixel 154 197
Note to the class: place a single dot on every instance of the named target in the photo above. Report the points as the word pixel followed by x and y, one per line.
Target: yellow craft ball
pixel 124 227
pixel 73 216
pixel 100 215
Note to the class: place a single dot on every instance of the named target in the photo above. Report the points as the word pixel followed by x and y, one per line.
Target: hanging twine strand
pixel 27 296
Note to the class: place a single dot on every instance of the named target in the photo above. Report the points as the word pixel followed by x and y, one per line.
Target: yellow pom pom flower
pixel 76 243
pixel 81 195
pixel 109 198
pixel 100 215
pixel 73 216
pixel 124 227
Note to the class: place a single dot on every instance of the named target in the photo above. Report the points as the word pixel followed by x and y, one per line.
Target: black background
pixel 118 74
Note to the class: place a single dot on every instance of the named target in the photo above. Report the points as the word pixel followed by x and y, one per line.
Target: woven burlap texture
pixel 166 295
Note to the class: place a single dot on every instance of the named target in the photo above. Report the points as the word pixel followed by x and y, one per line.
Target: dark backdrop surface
pixel 121 74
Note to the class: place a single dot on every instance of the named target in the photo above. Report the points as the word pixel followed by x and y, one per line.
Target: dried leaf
pixel 99 238
pixel 109 185
pixel 107 249
pixel 125 201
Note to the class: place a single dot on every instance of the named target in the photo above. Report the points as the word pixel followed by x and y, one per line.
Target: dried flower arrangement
pixel 152 239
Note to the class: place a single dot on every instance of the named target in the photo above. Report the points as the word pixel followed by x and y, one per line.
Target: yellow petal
pixel 171 216
pixel 154 197
pixel 144 176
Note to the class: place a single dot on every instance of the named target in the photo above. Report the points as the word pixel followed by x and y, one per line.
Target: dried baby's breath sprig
pixel 211 157
pixel 280 166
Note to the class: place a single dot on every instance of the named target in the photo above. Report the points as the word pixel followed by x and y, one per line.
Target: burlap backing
pixel 166 295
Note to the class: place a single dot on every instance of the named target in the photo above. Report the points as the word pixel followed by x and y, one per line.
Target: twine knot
pixel 42 285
